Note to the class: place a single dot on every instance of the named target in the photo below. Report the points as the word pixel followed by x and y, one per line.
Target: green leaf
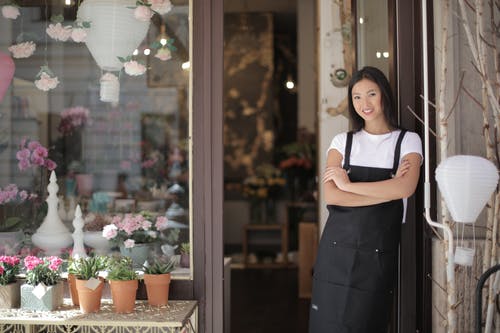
pixel 155 45
pixel 11 224
pixel 57 18
pixel 86 24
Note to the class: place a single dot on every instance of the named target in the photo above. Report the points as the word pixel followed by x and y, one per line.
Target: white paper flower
pixel 22 50
pixel 134 68
pixel 58 32
pixel 161 6
pixel 163 54
pixel 79 35
pixel 143 13
pixel 10 12
pixel 46 82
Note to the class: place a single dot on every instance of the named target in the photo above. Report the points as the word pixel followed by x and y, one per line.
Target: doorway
pixel 269 159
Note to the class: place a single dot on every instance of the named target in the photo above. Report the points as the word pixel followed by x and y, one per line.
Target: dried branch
pixel 460 85
pixel 437 283
pixel 472 97
pixel 430 103
pixel 420 119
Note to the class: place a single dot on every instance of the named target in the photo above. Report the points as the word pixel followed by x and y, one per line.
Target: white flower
pixel 58 32
pixel 163 54
pixel 78 35
pixel 22 50
pixel 134 68
pixel 129 243
pixel 46 82
pixel 143 13
pixel 10 12
pixel 161 6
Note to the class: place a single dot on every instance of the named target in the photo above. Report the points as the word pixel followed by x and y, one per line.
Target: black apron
pixel 356 267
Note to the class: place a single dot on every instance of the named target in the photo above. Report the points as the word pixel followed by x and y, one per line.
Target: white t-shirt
pixel 377 150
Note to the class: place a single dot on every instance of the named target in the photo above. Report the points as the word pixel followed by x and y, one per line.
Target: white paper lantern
pixel 114 31
pixel 466 182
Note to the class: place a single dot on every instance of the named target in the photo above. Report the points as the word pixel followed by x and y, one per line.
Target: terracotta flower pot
pixel 157 286
pixel 90 299
pixel 123 295
pixel 72 289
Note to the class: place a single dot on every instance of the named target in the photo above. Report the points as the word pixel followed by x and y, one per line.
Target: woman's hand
pixel 403 168
pixel 338 175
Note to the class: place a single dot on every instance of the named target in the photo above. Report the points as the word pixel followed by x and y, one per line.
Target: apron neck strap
pixel 397 152
pixel 347 154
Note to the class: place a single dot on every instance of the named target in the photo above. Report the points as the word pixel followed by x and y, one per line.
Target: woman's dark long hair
pixel 388 105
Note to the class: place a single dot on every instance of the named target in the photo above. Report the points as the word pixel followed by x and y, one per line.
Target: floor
pixel 266 300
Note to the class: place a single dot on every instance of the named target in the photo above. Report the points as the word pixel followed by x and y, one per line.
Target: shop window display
pixel 103 87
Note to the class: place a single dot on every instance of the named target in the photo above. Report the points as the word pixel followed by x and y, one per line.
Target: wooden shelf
pixel 282 229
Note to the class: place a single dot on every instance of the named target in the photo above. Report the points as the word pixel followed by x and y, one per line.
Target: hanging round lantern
pixel 114 32
pixel 7 68
pixel 466 183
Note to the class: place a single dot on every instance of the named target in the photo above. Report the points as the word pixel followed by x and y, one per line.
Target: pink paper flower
pixel 46 82
pixel 10 12
pixel 79 35
pixel 163 54
pixel 143 13
pixel 161 6
pixel 110 231
pixel 22 50
pixel 58 32
pixel 134 68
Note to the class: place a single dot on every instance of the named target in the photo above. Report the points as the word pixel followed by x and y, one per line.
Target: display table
pixel 177 316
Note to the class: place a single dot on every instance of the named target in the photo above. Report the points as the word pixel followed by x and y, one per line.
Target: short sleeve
pixel 411 144
pixel 338 143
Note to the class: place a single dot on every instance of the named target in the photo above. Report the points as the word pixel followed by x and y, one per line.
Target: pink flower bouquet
pixel 131 229
pixel 9 268
pixel 42 270
pixel 73 119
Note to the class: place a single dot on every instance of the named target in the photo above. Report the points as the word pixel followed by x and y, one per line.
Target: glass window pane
pixel 104 86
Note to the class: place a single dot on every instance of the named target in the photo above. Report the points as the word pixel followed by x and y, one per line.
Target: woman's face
pixel 367 101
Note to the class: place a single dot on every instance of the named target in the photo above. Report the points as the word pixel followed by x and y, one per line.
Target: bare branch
pixel 430 103
pixel 420 119
pixel 472 97
pixel 437 283
pixel 471 7
pixel 456 96
pixel 486 42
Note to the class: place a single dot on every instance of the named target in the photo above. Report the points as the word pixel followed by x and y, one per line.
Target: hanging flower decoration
pixel 22 50
pixel 79 31
pixel 161 6
pixel 46 79
pixel 10 12
pixel 56 30
pixel 143 13
pixel 132 67
pixel 164 48
pixel 73 119
pixel 32 154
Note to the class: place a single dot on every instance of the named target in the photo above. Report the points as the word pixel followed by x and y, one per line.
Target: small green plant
pixel 120 268
pixel 185 248
pixel 159 265
pixel 87 268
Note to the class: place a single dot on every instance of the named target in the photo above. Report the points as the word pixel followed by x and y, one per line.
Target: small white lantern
pixel 466 183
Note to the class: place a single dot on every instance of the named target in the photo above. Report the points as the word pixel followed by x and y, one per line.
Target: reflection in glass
pixel 372 25
pixel 119 137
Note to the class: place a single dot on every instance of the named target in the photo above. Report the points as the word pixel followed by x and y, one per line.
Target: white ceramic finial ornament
pixel 52 236
pixel 78 247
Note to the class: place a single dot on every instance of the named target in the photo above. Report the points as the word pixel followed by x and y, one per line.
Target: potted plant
pixel 9 288
pixel 43 289
pixel 135 233
pixel 185 251
pixel 157 280
pixel 88 283
pixel 123 280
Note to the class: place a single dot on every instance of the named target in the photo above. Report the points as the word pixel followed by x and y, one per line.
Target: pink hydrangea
pixel 143 13
pixel 161 6
pixel 10 12
pixel 163 54
pixel 58 32
pixel 79 35
pixel 129 243
pixel 22 50
pixel 46 82
pixel 134 68
pixel 161 222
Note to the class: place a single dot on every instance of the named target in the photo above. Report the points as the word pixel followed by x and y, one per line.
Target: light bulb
pixel 163 41
pixel 385 54
pixel 378 54
pixel 186 65
pixel 136 52
pixel 147 51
